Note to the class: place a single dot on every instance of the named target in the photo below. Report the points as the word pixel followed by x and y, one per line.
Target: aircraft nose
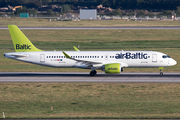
pixel 173 62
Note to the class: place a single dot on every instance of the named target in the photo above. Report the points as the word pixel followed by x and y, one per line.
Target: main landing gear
pixel 161 73
pixel 93 73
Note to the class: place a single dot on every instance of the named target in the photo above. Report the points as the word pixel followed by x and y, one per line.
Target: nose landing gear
pixel 161 73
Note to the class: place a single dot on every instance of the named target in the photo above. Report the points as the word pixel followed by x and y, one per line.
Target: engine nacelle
pixel 112 68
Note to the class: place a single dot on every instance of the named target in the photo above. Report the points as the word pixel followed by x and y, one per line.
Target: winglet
pixel 66 55
pixel 75 48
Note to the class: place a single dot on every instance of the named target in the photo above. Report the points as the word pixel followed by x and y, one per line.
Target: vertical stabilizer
pixel 20 41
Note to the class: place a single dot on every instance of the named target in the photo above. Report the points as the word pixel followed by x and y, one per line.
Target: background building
pixel 88 14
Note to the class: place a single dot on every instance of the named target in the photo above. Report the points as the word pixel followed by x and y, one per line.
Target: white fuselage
pixel 125 58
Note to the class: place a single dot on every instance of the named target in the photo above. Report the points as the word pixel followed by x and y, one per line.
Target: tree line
pixel 115 4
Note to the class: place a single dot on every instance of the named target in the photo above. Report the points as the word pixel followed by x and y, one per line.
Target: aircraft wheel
pixel 161 73
pixel 93 72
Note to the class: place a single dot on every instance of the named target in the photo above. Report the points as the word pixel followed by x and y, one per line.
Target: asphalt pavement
pixel 78 77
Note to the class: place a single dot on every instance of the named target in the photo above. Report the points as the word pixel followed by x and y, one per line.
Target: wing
pixel 94 63
pixel 83 61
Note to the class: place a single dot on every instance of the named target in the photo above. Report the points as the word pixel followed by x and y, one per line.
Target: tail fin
pixel 20 41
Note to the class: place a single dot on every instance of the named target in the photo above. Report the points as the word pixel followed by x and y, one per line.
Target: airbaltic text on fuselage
pixel 129 55
pixel 24 46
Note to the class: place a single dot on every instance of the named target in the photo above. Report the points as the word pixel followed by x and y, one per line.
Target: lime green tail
pixel 20 41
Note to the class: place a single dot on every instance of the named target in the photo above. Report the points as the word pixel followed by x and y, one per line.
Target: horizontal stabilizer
pixel 12 55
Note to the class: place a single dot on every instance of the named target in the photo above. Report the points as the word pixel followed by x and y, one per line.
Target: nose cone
pixel 172 62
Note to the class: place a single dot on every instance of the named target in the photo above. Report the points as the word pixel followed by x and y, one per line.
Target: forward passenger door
pixel 154 57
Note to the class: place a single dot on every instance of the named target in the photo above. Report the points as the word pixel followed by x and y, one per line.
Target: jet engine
pixel 112 68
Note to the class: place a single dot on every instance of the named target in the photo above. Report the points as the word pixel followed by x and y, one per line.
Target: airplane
pixel 111 62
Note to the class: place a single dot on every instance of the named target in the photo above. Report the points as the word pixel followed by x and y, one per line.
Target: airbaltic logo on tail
pixel 24 46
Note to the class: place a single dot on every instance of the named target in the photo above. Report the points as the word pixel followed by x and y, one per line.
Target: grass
pixel 166 41
pixel 95 35
pixel 45 22
pixel 121 100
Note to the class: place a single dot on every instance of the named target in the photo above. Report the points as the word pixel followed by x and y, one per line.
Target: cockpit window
pixel 165 56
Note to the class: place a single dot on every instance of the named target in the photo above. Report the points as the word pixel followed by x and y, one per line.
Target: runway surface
pixel 84 77
pixel 95 28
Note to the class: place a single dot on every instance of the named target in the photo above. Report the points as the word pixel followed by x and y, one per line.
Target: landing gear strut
pixel 161 73
pixel 93 72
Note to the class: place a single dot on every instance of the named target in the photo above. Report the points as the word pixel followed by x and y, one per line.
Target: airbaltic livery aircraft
pixel 107 61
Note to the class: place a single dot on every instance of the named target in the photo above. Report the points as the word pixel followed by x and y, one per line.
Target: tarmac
pixel 83 77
